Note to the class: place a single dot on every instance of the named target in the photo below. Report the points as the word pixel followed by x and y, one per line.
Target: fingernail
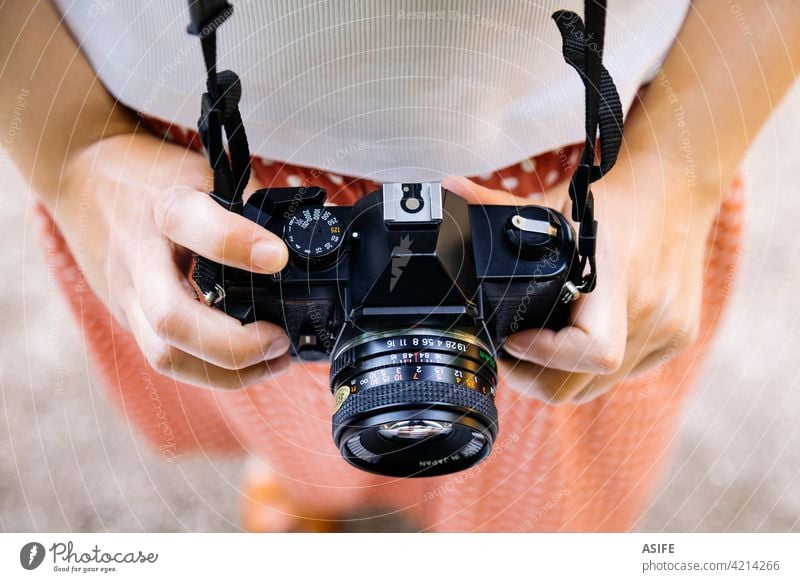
pixel 278 347
pixel 269 256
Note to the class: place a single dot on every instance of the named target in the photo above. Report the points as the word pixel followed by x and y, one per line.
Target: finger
pixel 557 198
pixel 595 341
pixel 176 317
pixel 477 194
pixel 600 385
pixel 558 387
pixel 551 386
pixel 638 362
pixel 169 361
pixel 650 348
pixel 194 221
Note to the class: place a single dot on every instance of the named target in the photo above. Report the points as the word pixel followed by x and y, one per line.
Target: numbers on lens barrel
pixel 401 373
pixel 421 358
pixel 313 233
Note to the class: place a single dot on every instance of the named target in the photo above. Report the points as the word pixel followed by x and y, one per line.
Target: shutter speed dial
pixel 313 235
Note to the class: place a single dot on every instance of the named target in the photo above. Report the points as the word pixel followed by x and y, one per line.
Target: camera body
pixel 410 292
pixel 374 265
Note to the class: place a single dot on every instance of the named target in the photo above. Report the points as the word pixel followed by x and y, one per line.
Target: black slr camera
pixel 408 292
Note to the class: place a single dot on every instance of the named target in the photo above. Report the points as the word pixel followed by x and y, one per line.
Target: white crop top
pixel 387 89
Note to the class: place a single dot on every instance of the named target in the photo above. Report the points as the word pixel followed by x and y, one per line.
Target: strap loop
pixel 582 47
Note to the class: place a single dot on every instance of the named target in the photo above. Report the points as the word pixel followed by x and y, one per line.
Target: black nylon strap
pixel 583 50
pixel 220 109
pixel 219 112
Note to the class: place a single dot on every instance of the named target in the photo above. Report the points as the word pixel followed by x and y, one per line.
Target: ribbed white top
pixel 387 89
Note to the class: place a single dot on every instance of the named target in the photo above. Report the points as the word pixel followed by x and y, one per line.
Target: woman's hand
pixel 131 208
pixel 652 237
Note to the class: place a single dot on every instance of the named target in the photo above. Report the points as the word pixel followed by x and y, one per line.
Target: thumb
pixel 556 198
pixel 477 194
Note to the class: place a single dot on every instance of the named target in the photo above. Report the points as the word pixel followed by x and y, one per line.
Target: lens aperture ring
pixel 454 376
pixel 413 348
pixel 414 366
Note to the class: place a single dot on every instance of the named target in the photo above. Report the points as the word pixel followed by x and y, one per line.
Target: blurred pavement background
pixel 69 462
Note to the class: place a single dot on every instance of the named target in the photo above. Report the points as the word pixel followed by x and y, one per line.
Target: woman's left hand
pixel 653 229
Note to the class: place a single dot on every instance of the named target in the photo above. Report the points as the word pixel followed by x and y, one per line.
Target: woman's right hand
pixel 132 208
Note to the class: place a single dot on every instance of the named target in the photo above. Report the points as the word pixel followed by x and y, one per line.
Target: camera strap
pixel 220 109
pixel 582 47
pixel 219 115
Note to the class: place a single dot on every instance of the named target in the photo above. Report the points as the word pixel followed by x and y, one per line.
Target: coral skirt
pixel 589 467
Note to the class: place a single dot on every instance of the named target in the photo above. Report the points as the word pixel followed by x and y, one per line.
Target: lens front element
pixel 414 429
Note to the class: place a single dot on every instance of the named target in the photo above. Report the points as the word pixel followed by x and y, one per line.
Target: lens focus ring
pixel 341 361
pixel 408 394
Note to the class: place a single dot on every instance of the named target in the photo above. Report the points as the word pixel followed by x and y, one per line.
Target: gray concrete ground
pixel 69 462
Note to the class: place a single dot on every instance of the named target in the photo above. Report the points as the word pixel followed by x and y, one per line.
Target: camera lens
pixel 414 403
